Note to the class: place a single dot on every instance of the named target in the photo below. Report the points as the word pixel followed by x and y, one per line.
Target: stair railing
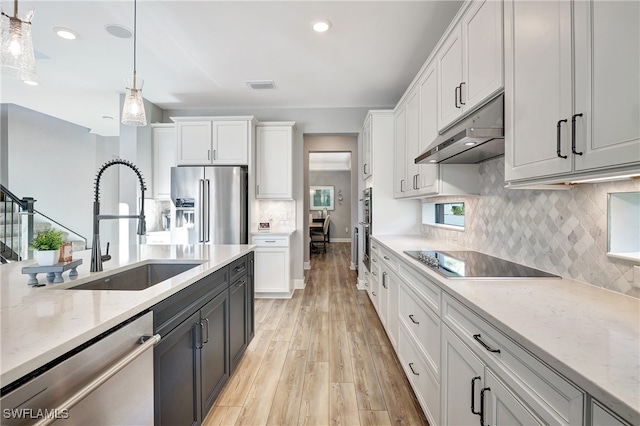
pixel 15 244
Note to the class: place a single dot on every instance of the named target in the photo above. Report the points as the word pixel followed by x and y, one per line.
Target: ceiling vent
pixel 261 84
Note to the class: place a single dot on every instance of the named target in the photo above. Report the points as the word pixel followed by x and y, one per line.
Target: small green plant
pixel 457 210
pixel 48 239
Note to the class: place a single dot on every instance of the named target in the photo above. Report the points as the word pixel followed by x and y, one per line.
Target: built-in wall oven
pixel 366 226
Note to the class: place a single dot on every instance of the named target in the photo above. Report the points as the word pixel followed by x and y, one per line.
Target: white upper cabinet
pixel 367 159
pixel 400 153
pixel 571 113
pixel 607 83
pixel 469 62
pixel 230 142
pixel 427 173
pixel 163 140
pixel 213 140
pixel 274 163
pixel 412 141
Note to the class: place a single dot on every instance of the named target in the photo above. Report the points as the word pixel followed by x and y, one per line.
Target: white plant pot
pixel 47 257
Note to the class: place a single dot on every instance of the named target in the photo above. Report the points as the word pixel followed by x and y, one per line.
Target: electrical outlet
pixel 346 231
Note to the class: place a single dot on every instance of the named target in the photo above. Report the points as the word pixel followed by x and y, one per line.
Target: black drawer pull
pixel 386 258
pixel 241 283
pixel 473 395
pixel 573 134
pixel 412 370
pixel 239 268
pixel 558 150
pixel 413 320
pixel 487 347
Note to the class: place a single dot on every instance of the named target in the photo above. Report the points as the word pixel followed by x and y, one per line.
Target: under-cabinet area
pixel 500 351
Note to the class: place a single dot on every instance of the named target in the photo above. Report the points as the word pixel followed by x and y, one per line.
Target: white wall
pixel 54 162
pixel 320 121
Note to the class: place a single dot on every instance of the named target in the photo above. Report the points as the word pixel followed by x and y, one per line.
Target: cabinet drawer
pixel 238 268
pixel 388 259
pixel 271 241
pixel 422 286
pixel 423 325
pixel 549 394
pixel 424 384
pixel 375 271
pixel 175 309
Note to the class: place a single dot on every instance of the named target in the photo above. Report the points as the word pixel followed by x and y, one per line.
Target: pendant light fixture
pixel 18 59
pixel 133 110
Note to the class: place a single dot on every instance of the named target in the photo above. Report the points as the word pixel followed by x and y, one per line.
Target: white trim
pixel 274 295
pixel 353 266
pixel 299 284
pixel 360 286
pixel 306 265
pixel 340 240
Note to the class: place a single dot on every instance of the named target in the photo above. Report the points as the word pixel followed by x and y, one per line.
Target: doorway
pixel 330 180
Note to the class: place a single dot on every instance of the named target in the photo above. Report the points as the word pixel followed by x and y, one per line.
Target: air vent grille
pixel 261 84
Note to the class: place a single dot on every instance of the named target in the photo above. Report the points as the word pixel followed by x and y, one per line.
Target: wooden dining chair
pixel 319 238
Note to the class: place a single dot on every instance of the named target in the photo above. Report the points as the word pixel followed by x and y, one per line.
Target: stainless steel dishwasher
pixel 108 381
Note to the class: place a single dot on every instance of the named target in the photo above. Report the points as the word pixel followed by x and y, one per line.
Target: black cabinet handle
pixel 461 103
pixel 455 96
pixel 197 341
pixel 386 258
pixel 239 268
pixel 473 395
pixel 384 279
pixel 487 347
pixel 206 341
pixel 364 169
pixel 482 391
pixel 573 134
pixel 412 370
pixel 413 320
pixel 374 293
pixel 241 283
pixel 558 151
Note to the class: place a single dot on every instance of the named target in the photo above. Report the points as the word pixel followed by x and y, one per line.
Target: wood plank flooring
pixel 319 358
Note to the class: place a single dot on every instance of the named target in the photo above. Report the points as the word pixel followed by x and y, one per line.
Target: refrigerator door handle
pixel 202 212
pixel 208 193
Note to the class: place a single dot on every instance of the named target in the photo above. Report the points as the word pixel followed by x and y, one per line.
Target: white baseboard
pixel 340 240
pixel 274 295
pixel 353 266
pixel 299 284
pixel 306 265
pixel 360 285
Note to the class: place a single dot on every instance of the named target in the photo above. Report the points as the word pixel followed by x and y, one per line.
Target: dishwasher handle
pixel 148 342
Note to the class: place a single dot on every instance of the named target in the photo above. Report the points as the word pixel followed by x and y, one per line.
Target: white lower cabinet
pixel 424 383
pixel 600 416
pixel 272 266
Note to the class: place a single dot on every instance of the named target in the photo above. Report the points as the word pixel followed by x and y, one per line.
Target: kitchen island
pixel 589 335
pixel 39 324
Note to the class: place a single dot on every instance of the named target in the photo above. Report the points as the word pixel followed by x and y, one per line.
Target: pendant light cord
pixel 15 8
pixel 135 19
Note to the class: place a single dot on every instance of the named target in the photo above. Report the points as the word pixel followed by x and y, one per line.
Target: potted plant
pixel 47 247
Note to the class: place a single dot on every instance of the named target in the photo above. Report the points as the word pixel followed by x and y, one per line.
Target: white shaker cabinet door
pixel 274 162
pixel 537 88
pixel 230 142
pixel 400 154
pixel 607 83
pixel 501 407
pixel 194 142
pixel 449 60
pixel 428 173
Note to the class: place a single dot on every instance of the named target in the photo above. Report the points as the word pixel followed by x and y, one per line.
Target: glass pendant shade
pixel 133 113
pixel 18 59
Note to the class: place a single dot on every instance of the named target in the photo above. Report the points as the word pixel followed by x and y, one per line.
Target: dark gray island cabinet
pixel 205 330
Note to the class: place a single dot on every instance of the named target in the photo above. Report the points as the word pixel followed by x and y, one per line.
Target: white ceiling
pixel 320 161
pixel 198 54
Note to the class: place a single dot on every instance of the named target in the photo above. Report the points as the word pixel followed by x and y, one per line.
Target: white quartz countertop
pixel 38 324
pixel 278 232
pixel 588 334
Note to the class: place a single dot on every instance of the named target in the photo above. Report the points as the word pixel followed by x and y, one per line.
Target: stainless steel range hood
pixel 477 138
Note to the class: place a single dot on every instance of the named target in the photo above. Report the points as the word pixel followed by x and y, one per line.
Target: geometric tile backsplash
pixel 562 232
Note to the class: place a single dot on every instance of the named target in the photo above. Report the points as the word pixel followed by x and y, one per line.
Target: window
pixel 451 214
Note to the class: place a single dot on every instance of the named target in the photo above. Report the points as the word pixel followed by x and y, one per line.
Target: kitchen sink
pixel 138 278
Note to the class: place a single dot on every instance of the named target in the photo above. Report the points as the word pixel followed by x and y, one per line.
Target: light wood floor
pixel 319 358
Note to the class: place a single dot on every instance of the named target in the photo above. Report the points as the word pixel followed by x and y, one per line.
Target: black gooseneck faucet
pixel 96 255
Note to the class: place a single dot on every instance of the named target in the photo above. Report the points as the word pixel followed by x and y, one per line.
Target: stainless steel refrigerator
pixel 210 204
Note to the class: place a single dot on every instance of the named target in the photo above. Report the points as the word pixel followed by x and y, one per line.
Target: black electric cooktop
pixel 472 264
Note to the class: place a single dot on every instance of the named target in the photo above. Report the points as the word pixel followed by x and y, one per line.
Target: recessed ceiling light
pixel 118 30
pixel 30 82
pixel 321 25
pixel 469 143
pixel 65 33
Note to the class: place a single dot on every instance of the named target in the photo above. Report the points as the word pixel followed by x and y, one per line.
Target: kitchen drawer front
pixel 238 268
pixel 422 286
pixel 375 248
pixel 423 326
pixel 389 259
pixel 271 241
pixel 172 311
pixel 375 270
pixel 424 383
pixel 550 395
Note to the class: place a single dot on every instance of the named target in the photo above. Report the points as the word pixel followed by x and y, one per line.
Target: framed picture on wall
pixel 321 197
